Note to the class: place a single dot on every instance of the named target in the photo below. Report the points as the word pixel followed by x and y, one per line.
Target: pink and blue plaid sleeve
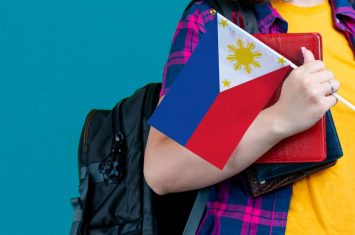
pixel 232 210
pixel 187 35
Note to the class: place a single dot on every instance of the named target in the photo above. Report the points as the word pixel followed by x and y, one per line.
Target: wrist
pixel 267 130
pixel 277 123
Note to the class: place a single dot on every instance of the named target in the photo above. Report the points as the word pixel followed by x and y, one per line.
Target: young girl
pixel 321 203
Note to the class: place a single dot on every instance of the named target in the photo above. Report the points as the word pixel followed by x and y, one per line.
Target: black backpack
pixel 114 196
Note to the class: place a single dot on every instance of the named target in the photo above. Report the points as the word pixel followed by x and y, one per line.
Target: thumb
pixel 307 55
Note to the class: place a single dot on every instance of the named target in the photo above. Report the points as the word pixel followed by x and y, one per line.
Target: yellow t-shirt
pixel 324 203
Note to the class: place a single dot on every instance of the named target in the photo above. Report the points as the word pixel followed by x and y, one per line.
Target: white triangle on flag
pixel 242 57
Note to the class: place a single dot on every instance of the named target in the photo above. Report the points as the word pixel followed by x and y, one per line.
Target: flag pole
pixel 344 101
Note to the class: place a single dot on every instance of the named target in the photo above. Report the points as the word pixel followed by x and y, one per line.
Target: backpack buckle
pixel 110 170
pixel 112 167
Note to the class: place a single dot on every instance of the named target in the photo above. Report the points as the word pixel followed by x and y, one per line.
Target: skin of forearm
pixel 170 167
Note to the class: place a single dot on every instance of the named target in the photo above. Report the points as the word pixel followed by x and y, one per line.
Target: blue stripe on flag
pixel 193 91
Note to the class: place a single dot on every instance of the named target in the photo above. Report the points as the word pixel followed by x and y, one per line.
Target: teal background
pixel 58 60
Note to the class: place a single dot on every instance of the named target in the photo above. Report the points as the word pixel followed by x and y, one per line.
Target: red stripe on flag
pixel 230 115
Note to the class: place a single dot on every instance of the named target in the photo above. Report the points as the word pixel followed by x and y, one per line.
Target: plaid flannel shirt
pixel 231 209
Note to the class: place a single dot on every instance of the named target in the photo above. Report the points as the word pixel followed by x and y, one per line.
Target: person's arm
pixel 169 167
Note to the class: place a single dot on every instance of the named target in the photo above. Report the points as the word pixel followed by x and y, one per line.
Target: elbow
pixel 158 169
pixel 153 171
pixel 155 180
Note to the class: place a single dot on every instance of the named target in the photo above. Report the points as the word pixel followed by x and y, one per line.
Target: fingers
pixel 329 101
pixel 334 85
pixel 329 87
pixel 314 73
pixel 322 76
pixel 307 55
pixel 309 63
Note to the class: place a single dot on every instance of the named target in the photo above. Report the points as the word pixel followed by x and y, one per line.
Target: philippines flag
pixel 227 81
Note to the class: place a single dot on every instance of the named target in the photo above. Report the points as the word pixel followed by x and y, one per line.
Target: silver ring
pixel 331 87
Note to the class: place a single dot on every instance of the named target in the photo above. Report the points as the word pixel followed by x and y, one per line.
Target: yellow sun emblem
pixel 244 56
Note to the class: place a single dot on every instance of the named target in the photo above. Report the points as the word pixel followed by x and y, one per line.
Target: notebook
pixel 310 145
pixel 264 178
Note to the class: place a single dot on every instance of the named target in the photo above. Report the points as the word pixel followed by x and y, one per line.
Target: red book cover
pixel 310 145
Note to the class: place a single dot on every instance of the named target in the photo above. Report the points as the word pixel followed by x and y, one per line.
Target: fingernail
pixel 303 49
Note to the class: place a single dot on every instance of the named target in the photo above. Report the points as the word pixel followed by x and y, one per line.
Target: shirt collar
pixel 343 15
pixel 270 21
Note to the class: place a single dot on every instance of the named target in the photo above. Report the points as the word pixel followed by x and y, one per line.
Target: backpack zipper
pixel 86 130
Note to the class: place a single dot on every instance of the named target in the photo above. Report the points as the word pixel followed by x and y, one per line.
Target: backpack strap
pixel 79 205
pixel 197 211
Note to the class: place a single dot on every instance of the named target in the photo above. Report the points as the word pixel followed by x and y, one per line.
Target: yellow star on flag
pixel 224 23
pixel 226 83
pixel 281 60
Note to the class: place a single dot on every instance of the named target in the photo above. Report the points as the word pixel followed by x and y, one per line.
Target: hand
pixel 305 96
